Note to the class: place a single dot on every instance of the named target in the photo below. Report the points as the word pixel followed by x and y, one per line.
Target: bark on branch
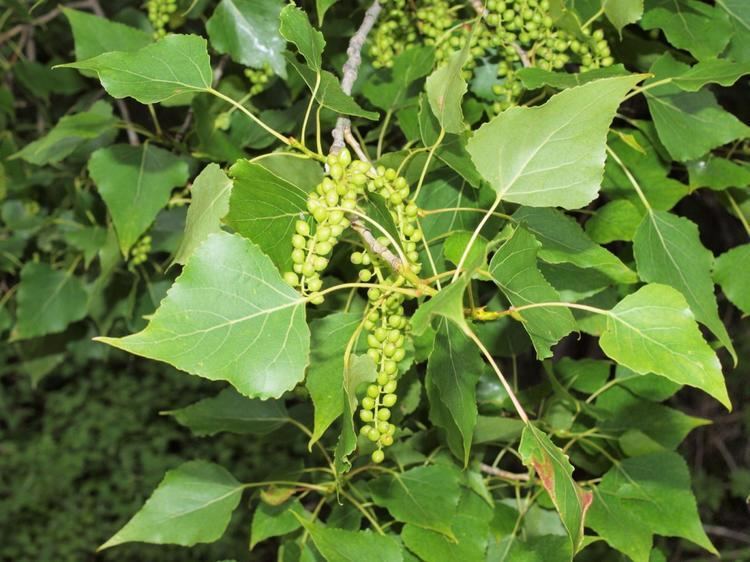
pixel 351 70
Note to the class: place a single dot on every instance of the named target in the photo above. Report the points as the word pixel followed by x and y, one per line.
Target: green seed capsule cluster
pixel 512 33
pixel 394 33
pixel 347 184
pixel 159 14
pixel 259 78
pixel 386 324
pixel 524 28
pixel 328 204
pixel 139 252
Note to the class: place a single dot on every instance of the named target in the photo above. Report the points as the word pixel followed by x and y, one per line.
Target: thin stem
pixel 383 131
pixel 428 212
pixel 642 89
pixel 593 18
pixel 474 235
pixel 155 119
pixel 480 314
pixel 303 134
pixel 433 148
pixel 738 211
pixel 631 178
pixel 390 288
pixel 504 474
pixel 247 112
pixel 516 404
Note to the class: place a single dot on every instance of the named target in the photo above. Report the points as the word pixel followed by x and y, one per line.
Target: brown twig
pixel 376 247
pixel 41 20
pixel 479 7
pixel 351 70
pixel 522 54
pixel 504 474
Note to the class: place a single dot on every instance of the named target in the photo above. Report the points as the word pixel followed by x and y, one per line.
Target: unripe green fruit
pixel 386 440
pixel 390 387
pixel 373 391
pixel 366 415
pixel 389 400
pixel 368 403
pixel 291 278
pixel 384 414
pixel 378 456
pixel 373 434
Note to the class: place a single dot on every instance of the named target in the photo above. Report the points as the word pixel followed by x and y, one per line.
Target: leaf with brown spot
pixel 555 472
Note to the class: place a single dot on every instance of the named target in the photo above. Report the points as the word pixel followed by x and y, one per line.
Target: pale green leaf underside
pixel 551 155
pixel 193 504
pixel 209 203
pixel 229 316
pixel 654 331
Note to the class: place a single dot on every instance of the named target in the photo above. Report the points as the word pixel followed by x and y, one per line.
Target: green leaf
pixel 626 412
pixel 695 26
pixel 209 204
pixel 135 183
pixel 514 270
pixel 559 158
pixel 728 274
pixel 564 241
pixel 456 244
pixel 668 250
pixel 446 88
pixel 321 7
pixel 739 17
pixel 641 157
pixel 534 78
pixel 408 67
pixel 232 412
pixel 717 173
pixel 654 331
pixel 360 370
pixel 48 301
pixel 470 525
pixel 689 124
pixel 264 208
pixel 426 496
pixel 296 28
pixel 68 134
pixel 275 520
pixel 448 303
pixel 622 12
pixel 229 316
pixel 453 370
pixel 452 148
pixel 329 93
pixel 325 376
pixel 94 35
pixel 555 472
pixel 340 545
pixel 173 66
pixel 248 31
pixel 643 496
pixel 714 71
pixel 191 505
pixel 616 220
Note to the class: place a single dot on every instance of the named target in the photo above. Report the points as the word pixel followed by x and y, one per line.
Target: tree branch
pixel 351 69
pixel 504 474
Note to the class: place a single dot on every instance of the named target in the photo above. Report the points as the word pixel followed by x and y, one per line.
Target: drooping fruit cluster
pixel 139 252
pixel 159 13
pixel 259 78
pixel 328 204
pixel 335 202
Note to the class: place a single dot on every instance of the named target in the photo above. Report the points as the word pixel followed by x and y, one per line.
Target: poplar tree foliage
pixel 443 240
